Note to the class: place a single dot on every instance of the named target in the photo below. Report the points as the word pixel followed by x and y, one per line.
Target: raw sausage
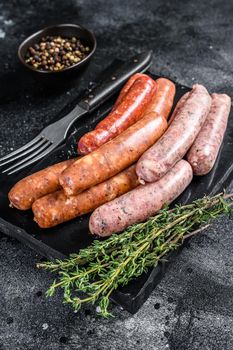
pixel 163 99
pixel 128 109
pixel 56 208
pixel 127 112
pixel 204 151
pixel 178 138
pixel 114 156
pixel 34 186
pixel 140 203
pixel 126 88
pixel 178 107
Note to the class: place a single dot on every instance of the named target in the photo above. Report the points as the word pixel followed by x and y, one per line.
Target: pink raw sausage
pixel 140 203
pixel 178 138
pixel 203 153
pixel 178 107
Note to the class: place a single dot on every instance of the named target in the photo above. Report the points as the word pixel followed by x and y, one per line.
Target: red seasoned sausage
pixel 114 156
pixel 163 99
pixel 56 208
pixel 204 151
pixel 34 186
pixel 140 203
pixel 126 88
pixel 129 110
pixel 180 135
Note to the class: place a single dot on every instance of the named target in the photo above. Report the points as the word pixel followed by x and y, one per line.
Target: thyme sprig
pixel 101 268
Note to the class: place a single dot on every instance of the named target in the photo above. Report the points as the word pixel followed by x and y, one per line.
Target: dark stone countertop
pixel 192 307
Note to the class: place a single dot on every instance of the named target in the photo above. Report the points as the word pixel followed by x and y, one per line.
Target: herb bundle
pixel 106 265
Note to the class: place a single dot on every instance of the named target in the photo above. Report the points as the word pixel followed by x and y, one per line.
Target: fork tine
pixel 31 156
pixel 29 150
pixel 30 143
pixel 41 155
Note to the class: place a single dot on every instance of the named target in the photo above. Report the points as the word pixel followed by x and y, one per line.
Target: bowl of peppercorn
pixel 57 49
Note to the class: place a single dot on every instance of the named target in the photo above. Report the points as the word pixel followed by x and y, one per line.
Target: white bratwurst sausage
pixel 140 203
pixel 178 138
pixel 204 151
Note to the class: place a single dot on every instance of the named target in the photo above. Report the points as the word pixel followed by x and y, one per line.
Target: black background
pixel 192 307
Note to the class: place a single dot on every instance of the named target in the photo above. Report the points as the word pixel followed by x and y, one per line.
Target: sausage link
pixel 140 203
pixel 114 156
pixel 180 135
pixel 178 107
pixel 203 153
pixel 163 99
pixel 129 110
pixel 37 185
pixel 126 88
pixel 56 208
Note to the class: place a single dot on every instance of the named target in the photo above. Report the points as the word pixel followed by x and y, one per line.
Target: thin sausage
pixel 179 137
pixel 129 110
pixel 163 99
pixel 37 185
pixel 114 156
pixel 126 88
pixel 140 203
pixel 203 153
pixel 56 208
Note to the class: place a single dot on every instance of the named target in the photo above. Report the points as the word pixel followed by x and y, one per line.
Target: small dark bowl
pixel 65 30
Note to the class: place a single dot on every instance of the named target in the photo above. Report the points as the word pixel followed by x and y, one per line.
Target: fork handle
pixel 109 86
pixel 102 91
pixel 63 125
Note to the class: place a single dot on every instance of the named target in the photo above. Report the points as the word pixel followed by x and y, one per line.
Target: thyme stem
pixel 105 265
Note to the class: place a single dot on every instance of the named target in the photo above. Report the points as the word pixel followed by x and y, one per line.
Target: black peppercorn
pixel 32 51
pixel 37 58
pixel 56 53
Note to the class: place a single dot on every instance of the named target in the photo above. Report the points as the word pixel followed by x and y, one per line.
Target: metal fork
pixel 54 134
pixel 44 143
